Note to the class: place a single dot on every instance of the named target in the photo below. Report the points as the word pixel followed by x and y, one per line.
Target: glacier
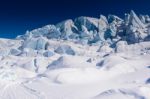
pixel 81 58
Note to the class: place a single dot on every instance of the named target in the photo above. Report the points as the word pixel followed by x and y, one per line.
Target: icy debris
pixel 53 33
pixel 40 64
pixel 89 30
pixel 60 62
pixel 135 21
pixel 116 19
pixel 48 54
pixel 65 49
pixel 100 64
pixel 114 28
pixel 49 31
pixel 90 60
pixel 89 22
pixel 148 66
pixel 105 48
pixel 15 52
pixel 68 29
pixel 148 81
pixel 35 43
pixel 28 52
pixel 41 44
pixel 102 27
pixel 135 29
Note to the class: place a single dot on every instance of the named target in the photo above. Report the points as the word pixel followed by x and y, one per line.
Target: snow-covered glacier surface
pixel 85 58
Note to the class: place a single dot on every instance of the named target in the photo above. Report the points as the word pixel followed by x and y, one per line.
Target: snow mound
pixel 111 60
pixel 116 64
pixel 69 62
pixel 120 93
pixel 76 76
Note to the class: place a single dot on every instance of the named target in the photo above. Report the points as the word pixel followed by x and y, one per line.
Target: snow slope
pixel 85 58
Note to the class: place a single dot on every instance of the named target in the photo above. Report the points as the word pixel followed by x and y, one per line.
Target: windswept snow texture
pixel 85 58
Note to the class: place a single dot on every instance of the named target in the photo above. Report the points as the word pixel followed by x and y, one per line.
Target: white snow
pixel 78 59
pixel 121 75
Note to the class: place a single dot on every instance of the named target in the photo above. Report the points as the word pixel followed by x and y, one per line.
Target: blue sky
pixel 17 16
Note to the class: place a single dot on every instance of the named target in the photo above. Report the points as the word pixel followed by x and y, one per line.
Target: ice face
pixel 35 43
pixel 148 81
pixel 89 30
pixel 65 49
pixel 135 29
pixel 48 54
pixel 15 52
pixel 67 28
pixel 135 21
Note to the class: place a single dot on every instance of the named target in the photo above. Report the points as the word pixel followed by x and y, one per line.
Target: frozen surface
pixel 85 58
pixel 89 74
